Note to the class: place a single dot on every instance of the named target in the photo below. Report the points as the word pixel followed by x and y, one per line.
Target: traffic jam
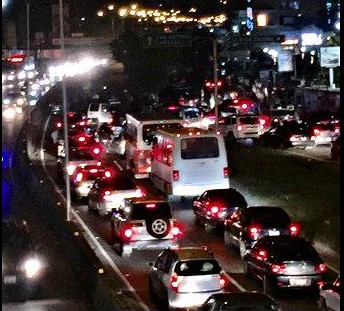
pixel 130 169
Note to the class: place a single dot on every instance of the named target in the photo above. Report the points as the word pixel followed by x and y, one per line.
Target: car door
pixel 157 274
pixel 203 202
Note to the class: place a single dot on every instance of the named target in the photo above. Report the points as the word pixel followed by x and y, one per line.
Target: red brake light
pixel 295 229
pixel 244 106
pixel 262 255
pixel 175 175
pixel 208 84
pixel 93 170
pixel 321 268
pixel 58 124
pixel 82 138
pixel 239 127
pixel 107 174
pixel 78 177
pixel 175 281
pixel 96 150
pixel 150 205
pixel 175 231
pixel 139 193
pixel 316 132
pixel 214 209
pixel 223 281
pixel 226 172
pixel 278 268
pixel 128 233
pixel 219 83
pixel 253 232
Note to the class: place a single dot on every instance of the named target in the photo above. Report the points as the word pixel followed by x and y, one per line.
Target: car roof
pixel 242 298
pixel 187 253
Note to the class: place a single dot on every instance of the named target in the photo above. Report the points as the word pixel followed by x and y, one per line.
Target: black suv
pixel 245 226
pixel 143 223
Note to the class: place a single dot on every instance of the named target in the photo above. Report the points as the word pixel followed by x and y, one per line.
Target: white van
pixel 137 136
pixel 99 111
pixel 188 161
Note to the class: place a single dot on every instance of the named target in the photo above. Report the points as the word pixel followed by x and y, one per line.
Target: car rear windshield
pixel 199 148
pixel 119 183
pixel 94 107
pixel 249 120
pixel 230 198
pixel 292 250
pixel 197 267
pixel 272 218
pixel 147 211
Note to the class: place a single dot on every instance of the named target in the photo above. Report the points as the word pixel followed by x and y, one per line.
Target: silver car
pixel 329 296
pixel 185 277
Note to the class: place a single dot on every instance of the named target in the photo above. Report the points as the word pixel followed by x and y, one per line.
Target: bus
pixel 188 161
pixel 137 136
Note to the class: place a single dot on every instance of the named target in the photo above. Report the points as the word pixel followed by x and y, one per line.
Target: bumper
pixel 192 191
pixel 285 281
pixel 150 244
pixel 188 300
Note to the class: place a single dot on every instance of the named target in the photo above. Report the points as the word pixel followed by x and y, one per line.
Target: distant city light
pixel 311 39
pixel 4 3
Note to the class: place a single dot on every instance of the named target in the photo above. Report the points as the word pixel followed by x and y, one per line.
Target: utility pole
pixel 27 28
pixel 216 86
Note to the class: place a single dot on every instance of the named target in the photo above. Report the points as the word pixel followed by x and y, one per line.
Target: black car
pixel 287 134
pixel 246 225
pixel 213 206
pixel 285 262
pixel 22 265
pixel 240 301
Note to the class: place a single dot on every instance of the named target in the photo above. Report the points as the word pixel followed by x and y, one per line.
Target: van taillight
pixel 175 175
pixel 240 127
pixel 222 281
pixel 226 172
pixel 175 281
pixel 253 232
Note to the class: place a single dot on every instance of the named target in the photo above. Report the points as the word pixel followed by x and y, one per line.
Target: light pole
pixel 28 28
pixel 216 99
pixel 65 119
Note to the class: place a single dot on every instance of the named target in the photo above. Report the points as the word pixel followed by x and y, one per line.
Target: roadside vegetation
pixel 307 189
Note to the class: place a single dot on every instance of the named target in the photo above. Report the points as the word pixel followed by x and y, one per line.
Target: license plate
pixel 299 282
pixel 274 232
pixel 10 279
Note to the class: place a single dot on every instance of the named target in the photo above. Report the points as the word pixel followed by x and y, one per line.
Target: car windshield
pixel 199 148
pixel 144 211
pixel 197 267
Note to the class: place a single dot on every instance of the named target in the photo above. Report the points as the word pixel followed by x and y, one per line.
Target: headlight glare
pixel 32 267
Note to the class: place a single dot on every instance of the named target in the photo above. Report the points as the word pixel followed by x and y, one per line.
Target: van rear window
pixel 199 148
pixel 94 107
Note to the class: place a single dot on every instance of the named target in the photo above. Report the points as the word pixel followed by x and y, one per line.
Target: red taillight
pixel 78 177
pixel 82 139
pixel 223 281
pixel 175 175
pixel 294 229
pixel 214 209
pixel 82 123
pixel 316 132
pixel 96 150
pixel 278 268
pixel 128 233
pixel 239 127
pixel 139 193
pixel 244 106
pixel 321 268
pixel 175 231
pixel 208 84
pixel 222 121
pixel 58 124
pixel 262 255
pixel 226 172
pixel 106 195
pixel 253 231
pixel 175 281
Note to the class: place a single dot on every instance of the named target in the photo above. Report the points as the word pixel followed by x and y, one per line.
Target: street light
pixel 28 28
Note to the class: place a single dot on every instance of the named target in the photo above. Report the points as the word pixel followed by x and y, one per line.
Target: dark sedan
pixel 213 206
pixel 286 135
pixel 22 266
pixel 240 301
pixel 244 227
pixel 285 262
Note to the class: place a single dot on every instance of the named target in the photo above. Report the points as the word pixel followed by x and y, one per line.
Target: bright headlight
pixel 9 113
pixel 11 77
pixel 32 267
pixel 21 75
pixel 6 101
pixel 20 101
